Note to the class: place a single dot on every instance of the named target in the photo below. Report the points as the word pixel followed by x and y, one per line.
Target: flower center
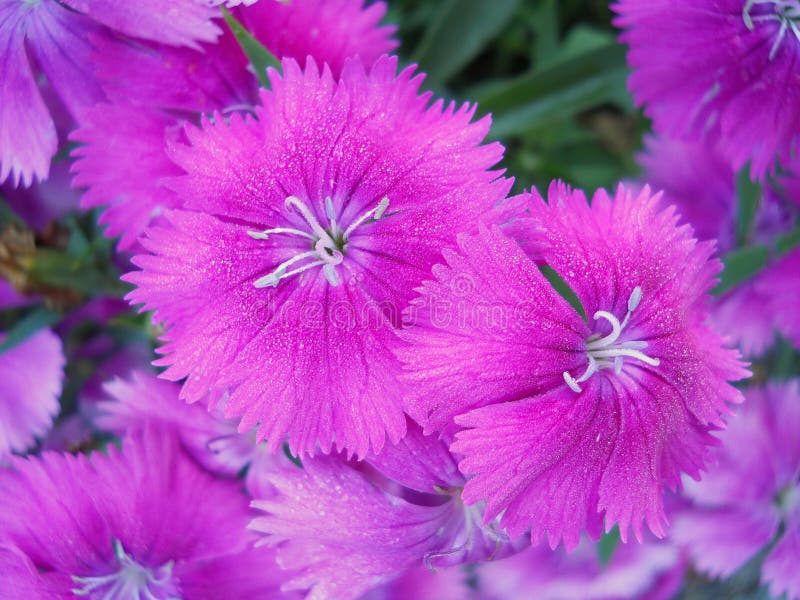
pixel 132 581
pixel 608 352
pixel 328 244
pixel 785 12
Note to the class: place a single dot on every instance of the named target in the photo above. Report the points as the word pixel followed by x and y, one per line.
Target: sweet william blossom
pixel 568 423
pixel 302 237
pixel 725 70
pixel 751 495
pixel 345 528
pixel 128 525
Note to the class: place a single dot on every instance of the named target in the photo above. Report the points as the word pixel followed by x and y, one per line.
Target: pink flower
pixel 344 528
pixel 751 492
pixel 303 235
pixel 720 69
pixel 571 422
pixel 650 571
pixel 129 524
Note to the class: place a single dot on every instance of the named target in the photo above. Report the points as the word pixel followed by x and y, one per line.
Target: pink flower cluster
pixel 366 373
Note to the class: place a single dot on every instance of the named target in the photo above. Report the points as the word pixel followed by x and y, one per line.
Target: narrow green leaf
pixel 257 54
pixel 458 32
pixel 741 265
pixel 555 91
pixel 607 544
pixel 295 459
pixel 545 24
pixel 7 215
pixel 28 325
pixel 748 194
pixel 60 270
pixel 563 289
pixel 788 241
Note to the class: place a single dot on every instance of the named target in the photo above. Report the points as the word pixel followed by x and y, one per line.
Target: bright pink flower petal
pixel 27 132
pixel 31 374
pixel 342 534
pixel 328 30
pixel 489 327
pixel 722 540
pixel 122 161
pixel 179 23
pixel 780 566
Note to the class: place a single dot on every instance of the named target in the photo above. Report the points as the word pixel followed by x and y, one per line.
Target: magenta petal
pixel 247 575
pixel 31 374
pixel 418 461
pixel 28 137
pixel 548 473
pixel 488 328
pixel 339 532
pixel 121 161
pixel 328 30
pixel 153 75
pixel 143 399
pixel 66 512
pixel 59 40
pixel 649 571
pixel 21 578
pixel 782 281
pixel 780 566
pixel 722 540
pixel 179 23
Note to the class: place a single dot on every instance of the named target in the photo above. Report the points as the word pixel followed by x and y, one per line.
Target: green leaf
pixel 295 459
pixel 256 53
pixel 788 241
pixel 607 544
pixel 563 289
pixel 458 32
pixel 748 194
pixel 28 325
pixel 556 91
pixel 741 265
pixel 8 216
pixel 60 270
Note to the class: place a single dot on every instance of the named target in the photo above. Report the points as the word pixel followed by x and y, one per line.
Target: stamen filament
pixel 786 12
pixel 376 213
pixel 607 352
pixel 294 202
pixel 328 244
pixel 263 235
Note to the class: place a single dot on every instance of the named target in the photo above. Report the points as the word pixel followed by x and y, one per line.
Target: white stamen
pixel 328 243
pixel 132 580
pixel 786 12
pixel 606 352
pixel 376 213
